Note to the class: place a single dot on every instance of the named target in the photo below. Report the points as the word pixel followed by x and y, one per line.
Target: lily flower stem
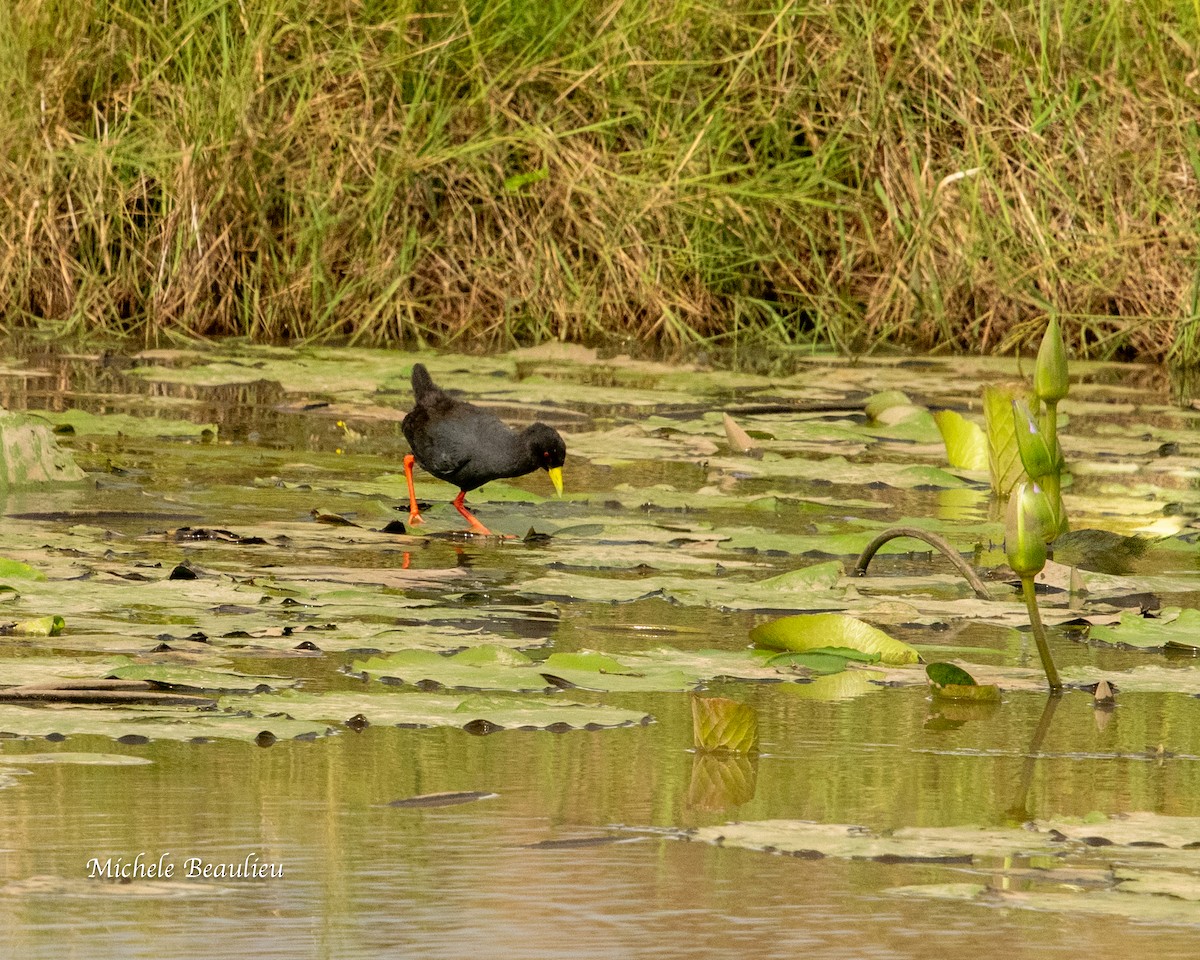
pixel 1039 635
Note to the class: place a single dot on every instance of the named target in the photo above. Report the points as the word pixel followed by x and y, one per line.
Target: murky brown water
pixel 501 877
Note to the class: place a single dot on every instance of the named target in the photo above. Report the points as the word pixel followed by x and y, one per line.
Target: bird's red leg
pixel 414 515
pixel 461 508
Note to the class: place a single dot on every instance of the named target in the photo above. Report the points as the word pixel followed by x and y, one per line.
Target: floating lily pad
pixel 847 684
pixel 50 626
pixel 175 677
pixel 1148 909
pixel 16 570
pixel 809 631
pixel 45 671
pixel 908 844
pixel 823 660
pixel 966 442
pixel 481 668
pixel 30 457
pixel 840 470
pixel 137 725
pixel 482 713
pixel 493 668
pixel 122 424
pixel 1173 628
pixel 810 579
pixel 954 683
pixel 1135 833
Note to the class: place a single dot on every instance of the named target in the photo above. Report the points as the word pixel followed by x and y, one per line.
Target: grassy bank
pixel 853 173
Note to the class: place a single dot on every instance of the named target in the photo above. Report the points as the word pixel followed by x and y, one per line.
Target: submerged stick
pixel 110 691
pixel 131 697
pixel 940 543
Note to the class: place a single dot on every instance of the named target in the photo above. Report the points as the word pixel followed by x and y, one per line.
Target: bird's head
pixel 549 452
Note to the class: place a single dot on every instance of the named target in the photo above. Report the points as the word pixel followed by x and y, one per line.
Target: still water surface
pixel 582 853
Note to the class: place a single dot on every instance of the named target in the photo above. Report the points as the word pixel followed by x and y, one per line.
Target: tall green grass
pixel 934 174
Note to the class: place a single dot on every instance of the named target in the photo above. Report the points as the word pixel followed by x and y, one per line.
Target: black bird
pixel 464 445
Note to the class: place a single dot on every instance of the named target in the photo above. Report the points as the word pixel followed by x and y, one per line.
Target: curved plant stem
pixel 1039 635
pixel 961 565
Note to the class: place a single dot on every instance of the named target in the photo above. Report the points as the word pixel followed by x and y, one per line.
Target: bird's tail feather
pixel 422 382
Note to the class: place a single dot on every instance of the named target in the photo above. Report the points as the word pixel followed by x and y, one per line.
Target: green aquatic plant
pixel 1036 455
pixel 1051 382
pixel 1025 544
pixel 1037 436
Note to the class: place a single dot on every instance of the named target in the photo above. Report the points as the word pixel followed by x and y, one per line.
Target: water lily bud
pixel 1024 527
pixel 1036 455
pixel 1050 381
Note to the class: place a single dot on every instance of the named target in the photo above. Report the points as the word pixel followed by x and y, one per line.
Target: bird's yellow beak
pixel 556 479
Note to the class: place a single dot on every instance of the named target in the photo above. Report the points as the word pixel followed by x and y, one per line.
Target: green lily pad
pixel 139 725
pixel 175 677
pixel 16 570
pixel 1135 834
pixel 876 404
pixel 1160 883
pixel 908 424
pixel 817 577
pixel 1147 909
pixel 663 669
pixel 122 424
pixel 1173 628
pixel 49 671
pixel 966 443
pixel 480 712
pixel 50 626
pixel 951 682
pixel 823 660
pixel 808 631
pixel 841 470
pixel 484 668
pixel 908 844
pixel 943 674
pixel 30 457
pixel 988 693
pixel 849 684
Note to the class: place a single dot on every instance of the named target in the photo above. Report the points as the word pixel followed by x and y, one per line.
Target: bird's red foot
pixel 414 518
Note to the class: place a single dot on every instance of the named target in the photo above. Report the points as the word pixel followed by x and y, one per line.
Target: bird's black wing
pixel 459 442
